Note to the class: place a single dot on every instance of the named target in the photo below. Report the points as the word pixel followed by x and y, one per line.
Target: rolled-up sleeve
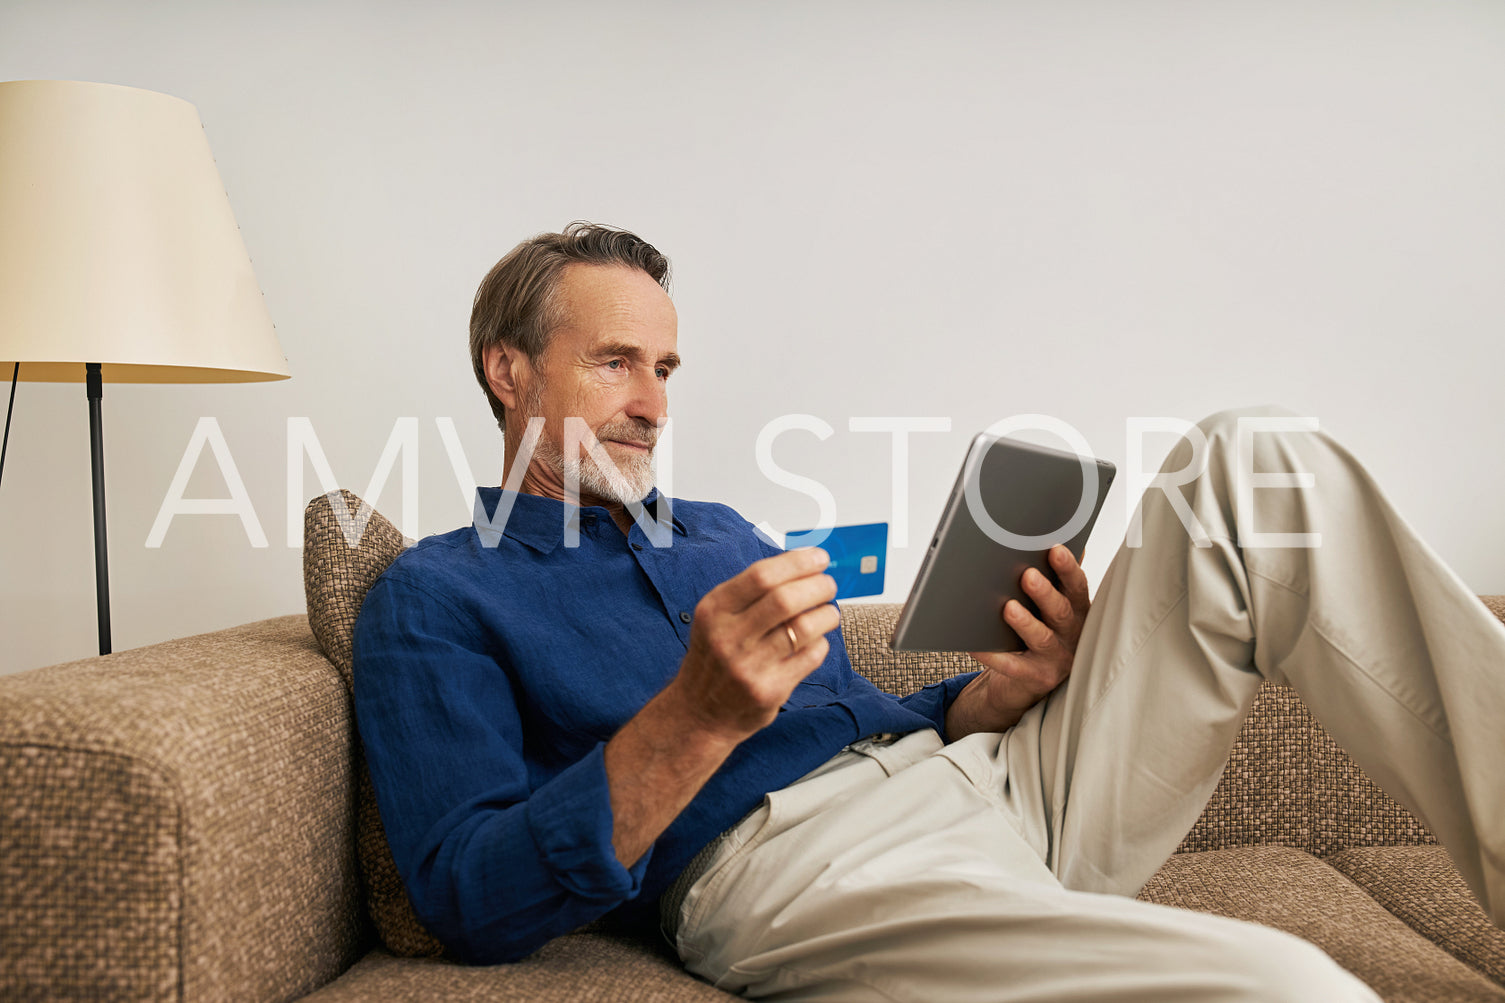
pixel 570 821
pixel 494 868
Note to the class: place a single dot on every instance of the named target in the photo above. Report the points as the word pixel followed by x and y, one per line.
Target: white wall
pixel 1095 210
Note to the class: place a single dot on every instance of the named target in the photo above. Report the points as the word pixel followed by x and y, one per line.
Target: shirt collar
pixel 540 522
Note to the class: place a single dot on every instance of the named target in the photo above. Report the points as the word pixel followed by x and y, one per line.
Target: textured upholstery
pixel 866 628
pixel 176 822
pixel 1496 605
pixel 50 939
pixel 1421 886
pixel 345 549
pixel 1295 892
pixel 578 968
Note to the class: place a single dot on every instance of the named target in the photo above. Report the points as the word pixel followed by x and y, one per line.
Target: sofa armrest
pixel 176 821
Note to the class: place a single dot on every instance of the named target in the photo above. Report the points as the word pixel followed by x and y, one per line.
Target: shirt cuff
pixel 570 821
pixel 934 700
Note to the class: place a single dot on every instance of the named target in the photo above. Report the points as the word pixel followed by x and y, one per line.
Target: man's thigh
pixel 919 886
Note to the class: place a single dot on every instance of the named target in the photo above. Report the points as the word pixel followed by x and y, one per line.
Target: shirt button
pixel 684 617
pixel 637 546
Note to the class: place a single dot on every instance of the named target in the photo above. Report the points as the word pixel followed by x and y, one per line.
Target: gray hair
pixel 516 304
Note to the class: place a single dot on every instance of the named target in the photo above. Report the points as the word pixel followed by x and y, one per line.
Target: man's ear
pixel 502 364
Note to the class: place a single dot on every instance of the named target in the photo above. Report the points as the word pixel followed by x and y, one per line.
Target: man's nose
pixel 650 399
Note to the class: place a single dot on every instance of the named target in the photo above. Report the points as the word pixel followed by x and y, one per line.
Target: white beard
pixel 625 484
pixel 598 475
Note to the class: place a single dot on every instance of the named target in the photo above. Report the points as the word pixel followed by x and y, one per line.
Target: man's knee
pixel 1263 432
pixel 1214 440
pixel 1268 447
pixel 1219 456
pixel 1226 421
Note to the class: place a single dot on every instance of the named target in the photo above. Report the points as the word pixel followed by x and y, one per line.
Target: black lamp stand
pixel 94 384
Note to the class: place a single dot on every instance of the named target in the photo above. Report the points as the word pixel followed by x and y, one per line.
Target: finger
pixel 743 590
pixel 1031 674
pixel 787 601
pixel 1073 578
pixel 808 659
pixel 1035 635
pixel 799 633
pixel 1055 608
pixel 817 622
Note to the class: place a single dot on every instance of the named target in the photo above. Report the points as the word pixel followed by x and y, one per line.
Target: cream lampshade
pixel 120 259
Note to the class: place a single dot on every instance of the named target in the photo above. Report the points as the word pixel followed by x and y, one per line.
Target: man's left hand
pixel 1014 681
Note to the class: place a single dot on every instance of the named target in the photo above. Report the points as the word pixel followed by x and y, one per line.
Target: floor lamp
pixel 120 259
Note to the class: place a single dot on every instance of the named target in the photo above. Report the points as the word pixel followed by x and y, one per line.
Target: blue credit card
pixel 858 555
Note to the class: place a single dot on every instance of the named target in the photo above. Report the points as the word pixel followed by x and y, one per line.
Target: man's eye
pixel 663 373
pixel 614 364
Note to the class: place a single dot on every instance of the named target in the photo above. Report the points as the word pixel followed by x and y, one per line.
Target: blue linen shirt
pixel 491 669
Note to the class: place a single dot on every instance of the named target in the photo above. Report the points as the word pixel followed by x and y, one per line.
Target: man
pixel 642 708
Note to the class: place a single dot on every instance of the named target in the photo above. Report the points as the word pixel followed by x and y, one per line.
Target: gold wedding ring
pixel 794 645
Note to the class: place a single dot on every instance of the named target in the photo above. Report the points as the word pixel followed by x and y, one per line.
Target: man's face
pixel 606 364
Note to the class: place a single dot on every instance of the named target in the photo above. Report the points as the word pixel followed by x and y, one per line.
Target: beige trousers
pixel 1000 867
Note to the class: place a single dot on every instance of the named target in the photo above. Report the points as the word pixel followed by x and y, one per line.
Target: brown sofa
pixel 179 822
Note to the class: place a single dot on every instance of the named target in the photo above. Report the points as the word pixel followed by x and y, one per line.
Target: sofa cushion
pixel 1293 891
pixel 1421 886
pixel 346 547
pixel 575 968
pixel 345 550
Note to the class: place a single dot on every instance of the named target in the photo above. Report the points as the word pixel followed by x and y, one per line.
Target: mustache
pixel 630 432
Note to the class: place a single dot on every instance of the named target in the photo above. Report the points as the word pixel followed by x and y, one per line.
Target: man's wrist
pixel 682 716
pixel 978 708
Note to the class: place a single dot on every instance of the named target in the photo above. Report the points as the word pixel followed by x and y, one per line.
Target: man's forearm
pixel 655 766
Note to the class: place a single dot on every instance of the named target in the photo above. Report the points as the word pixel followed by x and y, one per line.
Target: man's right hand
pixel 754 637
pixel 740 669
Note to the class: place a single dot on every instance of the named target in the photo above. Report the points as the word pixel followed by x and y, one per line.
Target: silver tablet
pixel 1012 502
